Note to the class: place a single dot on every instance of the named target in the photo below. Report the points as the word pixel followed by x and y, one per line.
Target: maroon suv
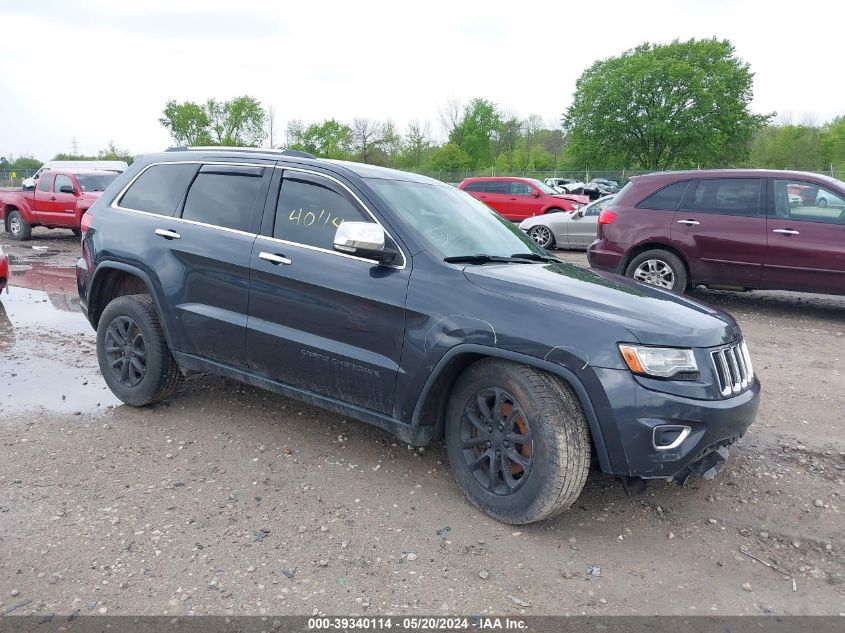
pixel 734 229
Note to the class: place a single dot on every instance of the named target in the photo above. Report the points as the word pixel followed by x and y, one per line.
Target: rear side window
pixel 497 186
pixel 159 189
pixel 666 199
pixel 224 196
pixel 310 209
pixel 474 186
pixel 726 196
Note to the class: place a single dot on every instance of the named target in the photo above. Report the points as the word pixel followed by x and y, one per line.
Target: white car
pixel 825 198
pixel 566 229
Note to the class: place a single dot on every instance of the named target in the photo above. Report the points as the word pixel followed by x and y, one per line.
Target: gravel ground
pixel 230 500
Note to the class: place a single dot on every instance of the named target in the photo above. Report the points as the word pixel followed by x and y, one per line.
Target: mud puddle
pixel 47 348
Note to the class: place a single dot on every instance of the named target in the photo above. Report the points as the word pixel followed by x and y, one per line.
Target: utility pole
pixel 271 116
pixel 74 147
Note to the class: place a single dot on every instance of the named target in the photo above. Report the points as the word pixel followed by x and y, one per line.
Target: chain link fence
pixel 12 178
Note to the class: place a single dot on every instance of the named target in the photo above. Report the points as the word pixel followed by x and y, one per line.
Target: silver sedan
pixel 566 229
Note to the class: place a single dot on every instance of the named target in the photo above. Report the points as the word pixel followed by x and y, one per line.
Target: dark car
pixel 520 198
pixel 397 300
pixel 734 229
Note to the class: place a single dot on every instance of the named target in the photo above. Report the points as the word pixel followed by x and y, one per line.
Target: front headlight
pixel 662 362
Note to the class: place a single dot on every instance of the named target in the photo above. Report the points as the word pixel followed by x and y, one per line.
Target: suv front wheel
pixel 517 441
pixel 133 353
pixel 659 268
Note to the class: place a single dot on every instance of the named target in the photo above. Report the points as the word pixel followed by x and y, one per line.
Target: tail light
pixel 607 217
pixel 85 222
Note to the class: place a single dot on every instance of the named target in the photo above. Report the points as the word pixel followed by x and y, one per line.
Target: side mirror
pixel 578 213
pixel 67 189
pixel 364 239
pixel 536 193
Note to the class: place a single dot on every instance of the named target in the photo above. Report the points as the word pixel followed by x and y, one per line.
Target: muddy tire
pixel 19 230
pixel 517 440
pixel 659 268
pixel 132 350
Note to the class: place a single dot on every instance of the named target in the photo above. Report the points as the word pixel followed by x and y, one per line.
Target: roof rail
pixel 227 148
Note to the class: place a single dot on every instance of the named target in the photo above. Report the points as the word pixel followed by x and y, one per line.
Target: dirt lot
pixel 227 499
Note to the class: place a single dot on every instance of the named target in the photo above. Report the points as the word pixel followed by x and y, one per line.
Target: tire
pixel 659 268
pixel 77 232
pixel 132 350
pixel 822 202
pixel 542 235
pixel 547 471
pixel 19 230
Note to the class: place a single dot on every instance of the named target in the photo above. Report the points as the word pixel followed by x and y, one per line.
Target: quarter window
pixel 475 186
pixel 224 196
pixel 310 209
pixel 726 196
pixel 805 200
pixel 61 181
pixel 666 199
pixel 160 188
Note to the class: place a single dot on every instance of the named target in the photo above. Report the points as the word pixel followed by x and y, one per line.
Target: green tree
pixel 188 123
pixel 477 130
pixel 112 152
pixel 238 122
pixel 832 139
pixel 449 157
pixel 329 139
pixel 787 147
pixel 664 105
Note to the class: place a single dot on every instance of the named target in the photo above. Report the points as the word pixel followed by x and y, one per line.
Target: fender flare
pixel 562 372
pixel 94 293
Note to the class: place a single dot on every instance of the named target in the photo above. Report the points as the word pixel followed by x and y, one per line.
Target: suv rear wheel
pixel 133 353
pixel 517 441
pixel 659 268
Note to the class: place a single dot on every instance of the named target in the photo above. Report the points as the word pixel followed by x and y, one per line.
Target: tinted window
pixel 666 199
pixel 521 189
pixel 223 197
pixel 729 196
pixel 805 200
pixel 44 181
pixel 497 186
pixel 310 209
pixel 62 181
pixel 159 189
pixel 596 207
pixel 474 186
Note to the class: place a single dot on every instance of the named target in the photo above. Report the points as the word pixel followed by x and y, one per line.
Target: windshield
pixel 95 182
pixel 542 186
pixel 453 223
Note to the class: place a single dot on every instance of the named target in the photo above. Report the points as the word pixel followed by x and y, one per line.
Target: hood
pixel 89 196
pixel 653 316
pixel 573 197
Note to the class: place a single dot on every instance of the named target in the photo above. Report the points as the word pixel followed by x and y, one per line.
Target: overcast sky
pixel 101 70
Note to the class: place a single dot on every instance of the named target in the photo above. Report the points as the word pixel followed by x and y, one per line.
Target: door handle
pixel 785 231
pixel 274 259
pixel 168 234
pixel 52 197
pixel 689 222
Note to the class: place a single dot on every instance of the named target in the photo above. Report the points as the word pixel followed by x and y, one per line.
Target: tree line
pixel 679 105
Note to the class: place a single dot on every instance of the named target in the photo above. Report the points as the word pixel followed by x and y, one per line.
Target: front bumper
pixel 637 416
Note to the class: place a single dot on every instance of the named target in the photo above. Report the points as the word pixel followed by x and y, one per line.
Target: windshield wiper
pixel 536 257
pixel 481 258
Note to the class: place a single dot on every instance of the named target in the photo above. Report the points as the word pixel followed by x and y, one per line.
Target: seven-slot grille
pixel 733 368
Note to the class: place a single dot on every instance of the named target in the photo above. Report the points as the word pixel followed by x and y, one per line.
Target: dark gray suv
pixel 406 303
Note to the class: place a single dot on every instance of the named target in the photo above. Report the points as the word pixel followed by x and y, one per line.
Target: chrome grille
pixel 734 370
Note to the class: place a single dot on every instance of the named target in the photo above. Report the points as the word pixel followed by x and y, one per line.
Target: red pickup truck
pixel 58 202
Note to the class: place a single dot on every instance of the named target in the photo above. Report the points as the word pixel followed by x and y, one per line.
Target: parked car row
pixel 520 198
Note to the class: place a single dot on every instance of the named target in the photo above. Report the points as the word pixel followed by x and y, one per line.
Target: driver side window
pixel 808 201
pixel 62 181
pixel 310 209
pixel 521 189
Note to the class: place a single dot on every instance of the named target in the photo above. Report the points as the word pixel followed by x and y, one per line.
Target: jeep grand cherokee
pixel 406 303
